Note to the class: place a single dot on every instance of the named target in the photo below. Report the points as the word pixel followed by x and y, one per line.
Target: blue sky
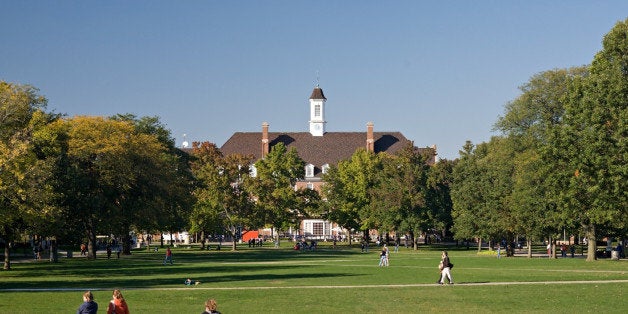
pixel 440 72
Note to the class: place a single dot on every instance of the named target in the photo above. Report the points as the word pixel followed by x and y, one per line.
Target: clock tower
pixel 317 112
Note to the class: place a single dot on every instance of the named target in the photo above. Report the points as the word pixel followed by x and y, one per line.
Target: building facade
pixel 319 149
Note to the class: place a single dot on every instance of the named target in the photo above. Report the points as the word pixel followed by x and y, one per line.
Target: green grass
pixel 331 281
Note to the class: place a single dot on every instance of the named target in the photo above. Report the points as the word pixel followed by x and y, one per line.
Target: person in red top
pixel 118 304
pixel 168 256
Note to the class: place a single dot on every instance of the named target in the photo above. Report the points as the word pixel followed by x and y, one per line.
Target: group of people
pixel 118 305
pixel 444 267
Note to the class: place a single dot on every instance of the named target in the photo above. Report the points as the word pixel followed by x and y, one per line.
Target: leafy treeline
pixel 559 165
pixel 71 179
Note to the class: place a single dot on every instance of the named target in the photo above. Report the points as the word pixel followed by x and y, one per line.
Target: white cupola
pixel 317 112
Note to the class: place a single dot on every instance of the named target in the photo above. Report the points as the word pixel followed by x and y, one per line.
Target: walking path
pixel 334 287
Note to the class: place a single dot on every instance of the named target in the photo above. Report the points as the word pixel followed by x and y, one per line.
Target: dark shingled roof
pixel 317 93
pixel 316 150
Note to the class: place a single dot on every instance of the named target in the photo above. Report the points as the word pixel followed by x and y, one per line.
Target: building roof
pixel 317 93
pixel 316 150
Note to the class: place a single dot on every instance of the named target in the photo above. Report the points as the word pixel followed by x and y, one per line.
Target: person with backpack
pixel 446 269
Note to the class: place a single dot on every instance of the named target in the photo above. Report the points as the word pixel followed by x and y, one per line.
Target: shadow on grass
pixel 146 269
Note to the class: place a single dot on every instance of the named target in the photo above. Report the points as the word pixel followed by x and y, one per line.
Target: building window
pixel 317 228
pixel 325 168
pixel 309 171
pixel 310 185
pixel 317 110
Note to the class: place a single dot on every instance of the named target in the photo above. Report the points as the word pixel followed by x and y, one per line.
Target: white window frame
pixel 309 171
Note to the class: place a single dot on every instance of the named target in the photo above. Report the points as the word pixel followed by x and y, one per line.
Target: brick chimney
pixel 265 139
pixel 370 141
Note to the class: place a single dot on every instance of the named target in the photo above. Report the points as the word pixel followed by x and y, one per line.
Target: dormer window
pixel 325 168
pixel 309 171
pixel 252 171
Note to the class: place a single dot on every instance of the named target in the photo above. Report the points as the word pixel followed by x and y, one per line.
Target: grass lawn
pixel 344 280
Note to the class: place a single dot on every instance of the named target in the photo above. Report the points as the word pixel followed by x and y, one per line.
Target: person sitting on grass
pixel 118 304
pixel 211 307
pixel 88 306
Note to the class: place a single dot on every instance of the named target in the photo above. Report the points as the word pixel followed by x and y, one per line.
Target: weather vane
pixel 317 79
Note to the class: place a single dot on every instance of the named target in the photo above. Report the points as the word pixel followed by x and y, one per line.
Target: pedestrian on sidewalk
pixel 446 271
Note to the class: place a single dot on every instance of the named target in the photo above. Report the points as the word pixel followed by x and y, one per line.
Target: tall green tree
pixel 480 187
pixel 527 122
pixel 223 205
pixel 589 149
pixel 399 197
pixel 438 198
pixel 274 187
pixel 347 189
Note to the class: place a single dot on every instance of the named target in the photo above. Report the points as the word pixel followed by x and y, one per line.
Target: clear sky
pixel 440 72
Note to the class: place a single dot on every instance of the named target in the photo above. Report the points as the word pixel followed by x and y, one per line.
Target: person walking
pixel 446 269
pixel 89 306
pixel 383 256
pixel 168 256
pixel 118 304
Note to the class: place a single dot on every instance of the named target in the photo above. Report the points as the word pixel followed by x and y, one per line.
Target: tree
pixel 347 187
pixel 477 193
pixel 438 198
pixel 160 197
pixel 222 202
pixel 114 175
pixel 398 201
pixel 26 192
pixel 274 187
pixel 527 122
pixel 589 149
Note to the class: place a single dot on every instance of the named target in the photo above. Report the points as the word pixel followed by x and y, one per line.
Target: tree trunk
pixel 479 245
pixel 7 258
pixel 126 243
pixel 234 246
pixel 529 244
pixel 91 243
pixel 592 244
pixel 54 251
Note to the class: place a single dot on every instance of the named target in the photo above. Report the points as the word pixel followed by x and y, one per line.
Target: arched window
pixel 309 170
